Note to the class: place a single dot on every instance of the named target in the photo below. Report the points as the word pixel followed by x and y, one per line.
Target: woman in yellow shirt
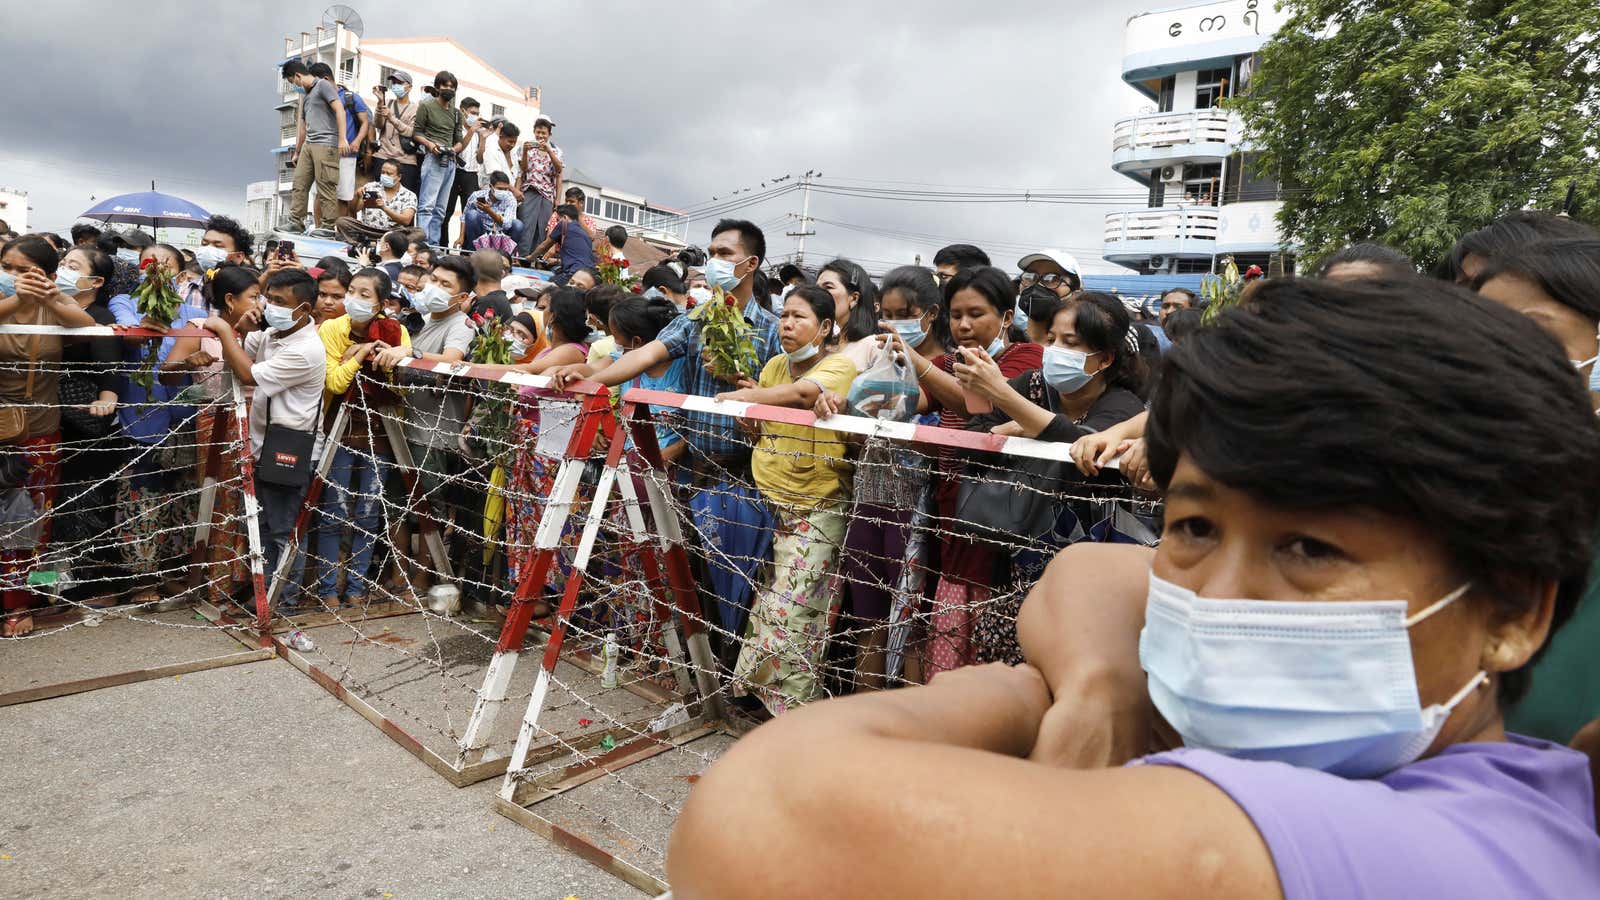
pixel 802 472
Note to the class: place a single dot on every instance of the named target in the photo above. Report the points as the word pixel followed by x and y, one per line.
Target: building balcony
pixel 1195 37
pixel 1135 236
pixel 1249 226
pixel 1146 142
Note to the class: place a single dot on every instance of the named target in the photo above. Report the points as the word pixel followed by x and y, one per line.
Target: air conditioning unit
pixel 1169 173
pixel 1158 262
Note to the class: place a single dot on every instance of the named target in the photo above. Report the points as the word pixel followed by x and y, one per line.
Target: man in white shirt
pixel 283 358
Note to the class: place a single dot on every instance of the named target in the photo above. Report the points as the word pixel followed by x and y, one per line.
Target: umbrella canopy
pixel 150 208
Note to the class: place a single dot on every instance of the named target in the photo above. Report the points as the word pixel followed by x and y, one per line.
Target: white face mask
pixel 358 309
pixel 278 318
pixel 1320 685
pixel 431 300
pixel 700 294
pixel 406 259
pixel 209 257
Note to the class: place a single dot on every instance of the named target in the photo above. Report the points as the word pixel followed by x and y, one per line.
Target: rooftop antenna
pixel 334 16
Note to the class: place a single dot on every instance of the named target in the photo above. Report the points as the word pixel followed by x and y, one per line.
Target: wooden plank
pixel 620 757
pixel 243 630
pixel 66 688
pixel 318 619
pixel 558 746
pixel 581 846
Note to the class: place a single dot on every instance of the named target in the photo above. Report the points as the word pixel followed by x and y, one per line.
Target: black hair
pixel 417 271
pixel 439 80
pixel 1194 301
pixel 472 102
pixel 101 267
pixel 487 265
pixel 458 267
pixel 335 265
pixel 758 284
pixel 1103 325
pixel 820 301
pixel 664 277
pixel 618 236
pixel 921 291
pixel 751 238
pixel 498 177
pixel 962 256
pixel 79 232
pixel 293 68
pixel 395 241
pixel 599 300
pixel 593 273
pixel 1507 233
pixel 1567 269
pixel 789 271
pixel 381 284
pixel 864 318
pixel 340 274
pixel 321 70
pixel 568 210
pixel 36 250
pixel 231 227
pixel 1487 438
pixel 573 191
pixel 637 317
pixel 298 281
pixel 1388 260
pixel 510 130
pixel 56 240
pixel 229 279
pixel 991 283
pixel 566 314
pixel 109 242
pixel 1183 323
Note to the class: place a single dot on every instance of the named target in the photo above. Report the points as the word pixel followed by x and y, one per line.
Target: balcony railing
pixel 1202 126
pixel 1164 230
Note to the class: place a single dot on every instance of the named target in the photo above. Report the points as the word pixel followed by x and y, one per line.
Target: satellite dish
pixel 343 15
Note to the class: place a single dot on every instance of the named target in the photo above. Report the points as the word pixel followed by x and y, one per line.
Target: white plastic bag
pixel 886 390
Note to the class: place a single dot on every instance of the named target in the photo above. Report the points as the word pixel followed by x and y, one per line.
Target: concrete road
pixel 249 781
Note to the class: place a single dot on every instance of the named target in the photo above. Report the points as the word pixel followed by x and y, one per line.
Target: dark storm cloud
pixel 679 103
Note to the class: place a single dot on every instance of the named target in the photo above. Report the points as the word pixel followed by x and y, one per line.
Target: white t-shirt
pixel 290 373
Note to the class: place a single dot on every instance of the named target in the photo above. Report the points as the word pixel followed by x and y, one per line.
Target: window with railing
pixel 1246 181
pixel 1211 85
pixel 1201 183
pixel 497 111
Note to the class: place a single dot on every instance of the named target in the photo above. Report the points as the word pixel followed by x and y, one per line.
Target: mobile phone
pixel 286 250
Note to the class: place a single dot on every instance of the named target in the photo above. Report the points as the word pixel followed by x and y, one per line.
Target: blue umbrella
pixel 149 208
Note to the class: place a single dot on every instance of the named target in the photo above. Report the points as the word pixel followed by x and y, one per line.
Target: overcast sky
pixel 677 102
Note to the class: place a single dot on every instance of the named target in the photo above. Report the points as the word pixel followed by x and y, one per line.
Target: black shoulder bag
pixel 286 452
pixel 1015 500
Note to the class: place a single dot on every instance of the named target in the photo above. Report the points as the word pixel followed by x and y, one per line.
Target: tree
pixel 1411 122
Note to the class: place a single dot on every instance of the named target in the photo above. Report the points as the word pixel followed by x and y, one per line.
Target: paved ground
pixel 250 781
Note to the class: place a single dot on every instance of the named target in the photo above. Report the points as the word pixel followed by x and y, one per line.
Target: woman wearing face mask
pixel 1356 569
pixel 440 131
pixel 526 339
pixel 233 292
pixel 31 293
pixel 353 493
pixel 856 299
pixel 545 422
pixel 386 204
pixel 801 472
pixel 892 481
pixel 980 303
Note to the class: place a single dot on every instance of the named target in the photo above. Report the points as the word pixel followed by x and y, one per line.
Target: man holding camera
pixel 385 204
pixel 493 208
pixel 394 115
pixel 540 162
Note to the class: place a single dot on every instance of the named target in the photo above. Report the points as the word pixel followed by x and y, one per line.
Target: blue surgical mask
pixel 357 309
pixel 803 353
pixel 653 293
pixel 209 257
pixel 720 273
pixel 518 348
pixel 277 317
pixel 1063 368
pixel 997 345
pixel 67 281
pixel 1319 685
pixel 1594 372
pixel 128 256
pixel 388 182
pixel 8 284
pixel 910 330
pixel 397 90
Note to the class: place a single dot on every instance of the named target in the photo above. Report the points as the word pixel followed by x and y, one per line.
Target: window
pixel 619 212
pixel 1165 94
pixel 496 111
pixel 384 74
pixel 1211 85
pixel 591 205
pixel 1245 183
pixel 1246 67
pixel 1188 266
pixel 1200 183
pixel 1158 190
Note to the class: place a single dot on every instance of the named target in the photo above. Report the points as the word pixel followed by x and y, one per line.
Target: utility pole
pixel 805 219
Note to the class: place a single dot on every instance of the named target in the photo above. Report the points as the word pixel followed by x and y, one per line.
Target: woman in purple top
pixel 1380 499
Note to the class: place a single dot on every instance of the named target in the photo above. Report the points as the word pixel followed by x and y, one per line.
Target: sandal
pixel 17 625
pixel 145 597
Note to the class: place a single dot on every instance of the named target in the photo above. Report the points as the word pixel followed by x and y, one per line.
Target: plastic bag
pixel 886 390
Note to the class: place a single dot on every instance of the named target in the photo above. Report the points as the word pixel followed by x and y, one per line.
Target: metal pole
pixel 805 220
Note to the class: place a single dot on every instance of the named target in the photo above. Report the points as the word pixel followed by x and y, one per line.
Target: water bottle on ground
pixel 608 675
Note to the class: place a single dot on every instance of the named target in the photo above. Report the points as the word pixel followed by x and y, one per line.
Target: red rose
pixel 622 263
pixel 146 264
pixel 690 304
pixel 638 289
pixel 728 299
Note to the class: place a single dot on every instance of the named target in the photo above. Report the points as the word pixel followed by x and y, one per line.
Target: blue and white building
pixel 1204 198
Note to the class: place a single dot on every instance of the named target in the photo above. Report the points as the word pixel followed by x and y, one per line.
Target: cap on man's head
pixel 136 239
pixel 400 75
pixel 513 283
pixel 1066 261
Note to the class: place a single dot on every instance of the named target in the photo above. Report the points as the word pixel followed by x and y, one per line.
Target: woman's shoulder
pixel 1513 818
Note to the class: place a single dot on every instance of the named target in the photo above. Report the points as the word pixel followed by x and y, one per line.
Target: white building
pixel 360 64
pixel 14 209
pixel 1205 200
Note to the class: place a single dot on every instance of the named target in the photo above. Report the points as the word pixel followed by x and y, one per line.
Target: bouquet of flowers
pixel 493 422
pixel 1218 292
pixel 611 270
pixel 158 302
pixel 726 339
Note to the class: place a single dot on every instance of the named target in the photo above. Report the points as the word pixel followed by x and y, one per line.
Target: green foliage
pixel 1410 122
pixel 158 303
pixel 726 339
